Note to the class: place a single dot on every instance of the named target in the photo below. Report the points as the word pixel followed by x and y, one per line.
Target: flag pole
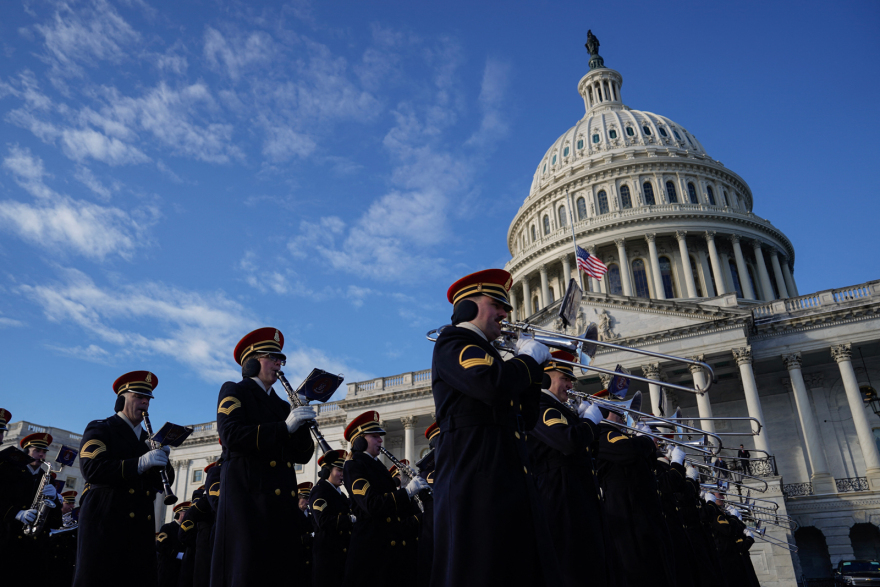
pixel 574 240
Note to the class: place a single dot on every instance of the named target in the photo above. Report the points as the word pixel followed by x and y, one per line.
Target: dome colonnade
pixel 646 199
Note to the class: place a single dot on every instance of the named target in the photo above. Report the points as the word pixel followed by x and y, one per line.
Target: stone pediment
pixel 622 318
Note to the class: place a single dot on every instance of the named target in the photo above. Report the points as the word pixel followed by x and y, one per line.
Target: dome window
pixel 640 278
pixel 580 144
pixel 692 194
pixel 582 208
pixel 649 193
pixel 663 132
pixel 690 141
pixel 546 225
pixel 534 236
pixel 565 152
pixel 545 168
pixel 612 134
pixel 614 285
pixel 554 160
pixel 562 216
pixel 711 193
pixel 630 132
pixel 603 202
pixel 677 136
pixel 646 130
pixel 625 198
pixel 595 139
pixel 670 193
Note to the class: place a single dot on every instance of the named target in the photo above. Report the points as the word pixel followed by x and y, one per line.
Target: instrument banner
pixel 66 456
pixel 320 385
pixel 171 435
pixel 59 485
pixel 619 385
pixel 571 303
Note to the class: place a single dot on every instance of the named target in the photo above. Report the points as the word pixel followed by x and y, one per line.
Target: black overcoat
pixel 488 527
pixel 637 538
pixel 559 445
pixel 188 534
pixel 62 545
pixel 331 520
pixel 259 500
pixel 671 481
pixel 705 561
pixel 377 536
pixel 168 546
pixel 117 531
pixel 202 513
pixel 425 559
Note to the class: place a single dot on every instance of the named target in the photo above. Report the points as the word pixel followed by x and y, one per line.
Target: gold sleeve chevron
pixel 228 404
pixel 91 449
pixel 212 491
pixel 360 487
pixel 162 536
pixel 474 356
pixel 616 438
pixel 319 505
pixel 552 416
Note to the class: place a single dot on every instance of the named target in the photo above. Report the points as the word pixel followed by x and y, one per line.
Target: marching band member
pixel 331 520
pixel 5 417
pixel 169 549
pixel 670 473
pixel 638 541
pixel 559 445
pixel 63 542
pixel 262 438
pixel 377 504
pixel 426 530
pixel 202 513
pixel 707 567
pixel 485 405
pixel 304 528
pixel 116 527
pixel 188 535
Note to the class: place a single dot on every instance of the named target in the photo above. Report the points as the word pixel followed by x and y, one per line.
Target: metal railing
pixel 796 489
pixel 852 484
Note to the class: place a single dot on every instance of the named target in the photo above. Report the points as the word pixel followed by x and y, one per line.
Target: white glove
pixel 353 518
pixel 710 497
pixel 180 556
pixel 534 349
pixel 415 486
pixel 303 399
pixel 748 533
pixel 692 473
pixel 675 455
pixel 51 503
pixel 155 458
pixel 26 516
pixel 49 491
pixel 298 416
pixel 642 429
pixel 591 412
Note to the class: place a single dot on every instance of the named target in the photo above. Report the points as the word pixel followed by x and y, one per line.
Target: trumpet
pixel 295 402
pixel 41 504
pixel 170 498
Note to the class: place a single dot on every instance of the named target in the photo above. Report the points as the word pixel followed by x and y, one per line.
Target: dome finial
pixel 592 46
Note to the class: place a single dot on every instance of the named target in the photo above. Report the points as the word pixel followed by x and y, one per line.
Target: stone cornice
pixel 378 399
pixel 645 305
pixel 809 504
pixel 806 323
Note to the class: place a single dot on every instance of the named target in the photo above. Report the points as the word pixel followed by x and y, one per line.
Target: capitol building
pixel 692 272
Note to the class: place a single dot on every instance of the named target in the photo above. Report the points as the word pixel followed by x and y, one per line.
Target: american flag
pixel 590 264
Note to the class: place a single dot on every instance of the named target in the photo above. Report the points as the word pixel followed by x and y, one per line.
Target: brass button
pixel 344 550
pixel 307 562
pixel 289 465
pixel 520 407
pixel 393 543
pixel 516 434
pixel 150 517
pixel 511 403
pixel 277 492
pixel 131 515
pixel 527 436
pixel 271 463
pixel 403 543
pixel 388 520
pixel 526 470
pixel 131 491
pixel 148 493
pixel 398 518
pixel 293 493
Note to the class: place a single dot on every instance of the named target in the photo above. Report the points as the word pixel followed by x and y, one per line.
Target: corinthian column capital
pixel 651 370
pixel 696 368
pixel 681 234
pixel 743 355
pixel 710 235
pixel 409 421
pixel 651 237
pixel 792 361
pixel 841 352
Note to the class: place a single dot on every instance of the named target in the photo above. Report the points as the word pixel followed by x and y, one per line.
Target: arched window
pixel 625 199
pixel 554 159
pixel 552 296
pixel 630 132
pixel 582 208
pixel 595 138
pixel 565 151
pixel 865 540
pixel 813 553
pixel 666 276
pixel 546 224
pixel 649 193
pixel 534 235
pixel 670 193
pixel 535 305
pixel 646 129
pixel 545 168
pixel 640 277
pixel 736 284
pixel 711 193
pixel 580 144
pixel 677 136
pixel 696 274
pixel 662 131
pixel 603 202
pixel 692 194
pixel 562 216
pixel 612 134
pixel 726 199
pixel 614 284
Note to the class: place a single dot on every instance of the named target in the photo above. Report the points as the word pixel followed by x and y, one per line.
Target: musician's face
pixel 135 404
pixel 374 441
pixel 303 503
pixel 612 417
pixel 489 316
pixel 37 453
pixel 66 508
pixel 335 477
pixel 560 383
pixel 269 367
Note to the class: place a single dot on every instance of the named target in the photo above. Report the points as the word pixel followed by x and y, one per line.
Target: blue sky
pixel 172 177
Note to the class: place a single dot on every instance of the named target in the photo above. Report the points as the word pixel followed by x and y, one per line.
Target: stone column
pixel 704 406
pixel 315 467
pixel 681 235
pixel 763 276
pixel 822 480
pixel 513 303
pixel 527 298
pixel 707 274
pixel 744 282
pixel 789 279
pixel 777 273
pixel 743 358
pixel 652 371
pixel 842 353
pixel 720 289
pixel 623 261
pixel 409 437
pixel 594 283
pixel 545 288
pixel 729 286
pixel 566 273
pixel 659 291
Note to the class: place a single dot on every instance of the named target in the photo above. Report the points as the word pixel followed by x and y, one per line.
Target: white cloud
pixel 10 322
pixel 493 89
pixel 79 144
pixel 236 54
pixel 88 179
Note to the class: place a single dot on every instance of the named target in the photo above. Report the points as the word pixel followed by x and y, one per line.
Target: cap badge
pixel 508 284
pixel 375 416
pixel 149 378
pixel 277 339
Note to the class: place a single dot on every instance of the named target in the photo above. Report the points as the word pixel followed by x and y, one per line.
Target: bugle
pixel 170 498
pixel 295 402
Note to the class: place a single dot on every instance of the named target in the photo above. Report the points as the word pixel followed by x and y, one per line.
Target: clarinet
pixel 295 402
pixel 409 471
pixel 170 498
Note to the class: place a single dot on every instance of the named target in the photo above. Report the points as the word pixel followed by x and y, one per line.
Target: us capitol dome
pixel 668 220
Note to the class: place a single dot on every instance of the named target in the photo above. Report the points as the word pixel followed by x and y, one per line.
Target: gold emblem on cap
pixel 277 339
pixel 509 283
pixel 375 416
pixel 149 378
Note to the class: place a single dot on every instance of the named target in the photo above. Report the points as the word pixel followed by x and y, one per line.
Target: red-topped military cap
pixel 304 489
pixel 432 431
pixel 332 458
pixel 5 417
pixel 184 505
pixel 37 440
pixel 260 341
pixel 140 382
pixel 69 496
pixel 366 423
pixel 494 283
pixel 209 466
pixel 395 472
pixel 553 365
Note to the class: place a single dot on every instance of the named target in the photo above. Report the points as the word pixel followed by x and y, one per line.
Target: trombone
pixel 759 533
pixel 585 347
pixel 730 479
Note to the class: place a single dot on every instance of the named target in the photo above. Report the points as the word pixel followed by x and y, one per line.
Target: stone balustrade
pixel 823 300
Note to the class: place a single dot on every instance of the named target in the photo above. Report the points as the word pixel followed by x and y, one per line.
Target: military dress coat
pixel 116 527
pixel 377 536
pixel 202 513
pixel 258 481
pixel 488 525
pixel 705 561
pixel 671 481
pixel 188 534
pixel 331 520
pixel 168 547
pixel 637 539
pixel 425 559
pixel 559 446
